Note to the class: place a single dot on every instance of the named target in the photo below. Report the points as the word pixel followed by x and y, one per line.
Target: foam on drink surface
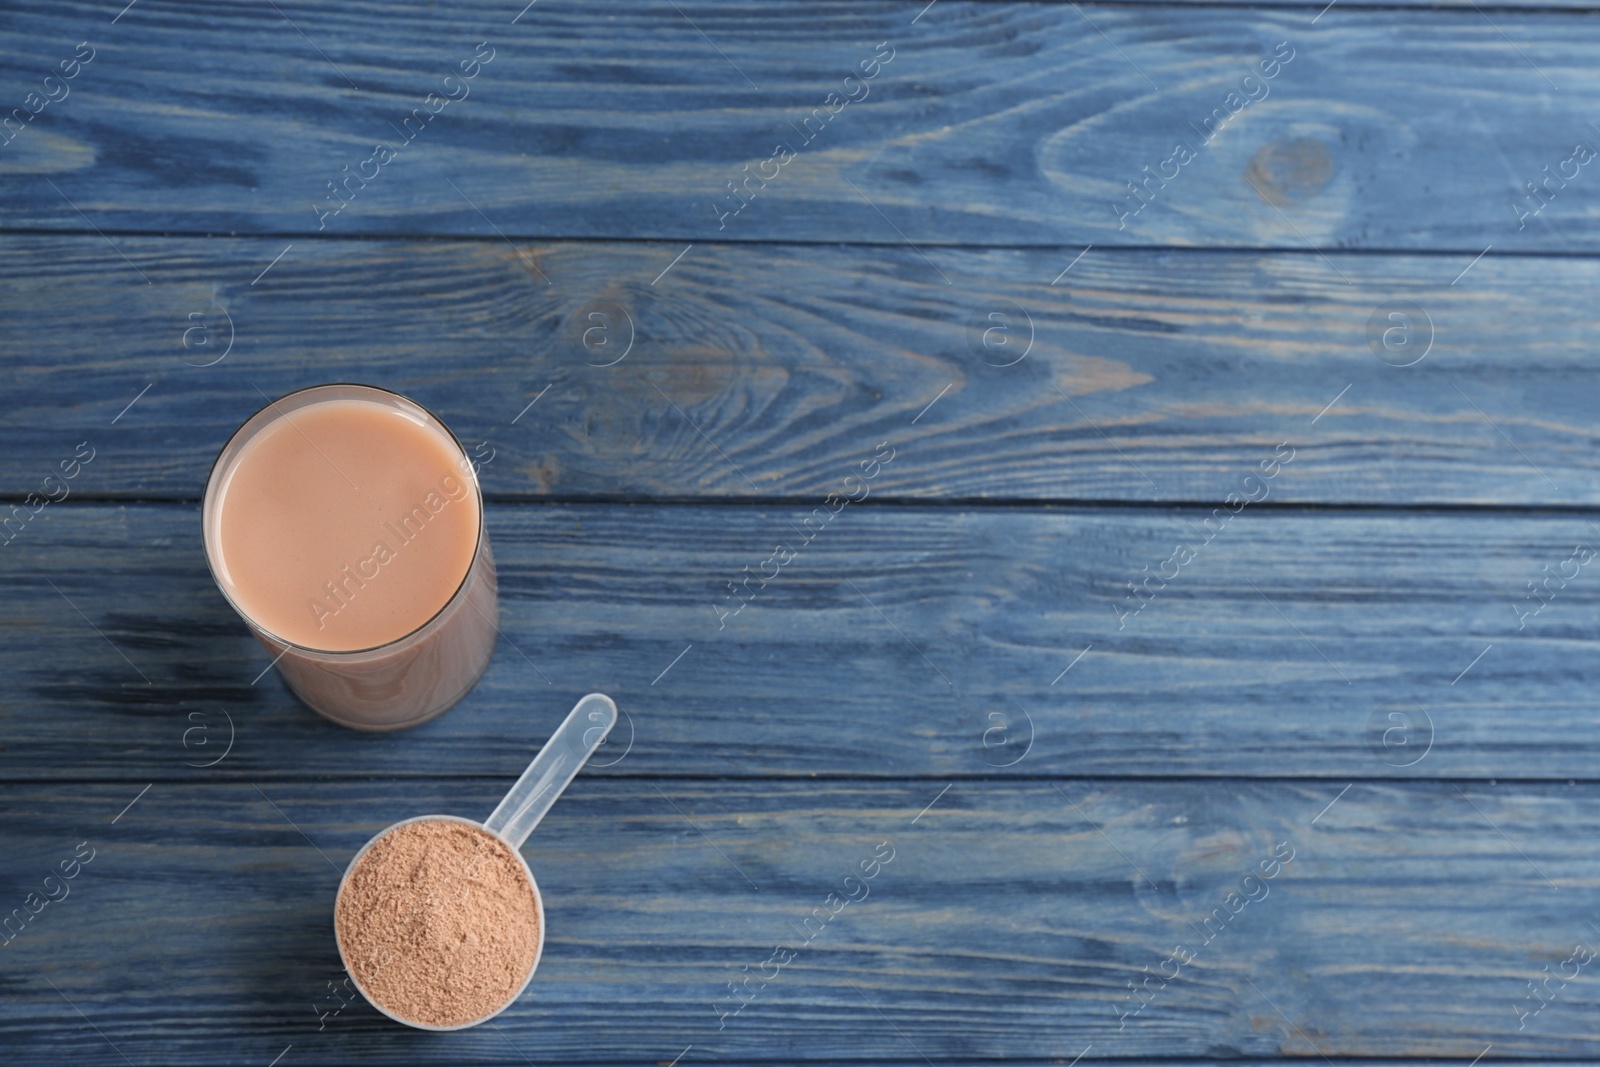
pixel 346 525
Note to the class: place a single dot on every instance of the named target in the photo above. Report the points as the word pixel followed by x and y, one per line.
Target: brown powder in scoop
pixel 438 922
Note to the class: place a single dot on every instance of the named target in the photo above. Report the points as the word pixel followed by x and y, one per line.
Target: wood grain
pixel 992 124
pixel 772 371
pixel 1008 924
pixel 1072 779
pixel 901 642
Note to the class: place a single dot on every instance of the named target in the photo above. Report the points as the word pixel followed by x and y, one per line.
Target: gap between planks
pixel 313 236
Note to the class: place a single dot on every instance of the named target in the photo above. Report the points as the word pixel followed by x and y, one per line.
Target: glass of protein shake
pixel 344 523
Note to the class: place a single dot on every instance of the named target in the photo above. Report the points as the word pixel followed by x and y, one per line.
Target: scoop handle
pixel 553 769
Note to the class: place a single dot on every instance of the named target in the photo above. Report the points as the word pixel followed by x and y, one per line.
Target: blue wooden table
pixel 1124 473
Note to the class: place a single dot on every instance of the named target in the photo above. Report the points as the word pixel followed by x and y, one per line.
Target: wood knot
pixel 1287 172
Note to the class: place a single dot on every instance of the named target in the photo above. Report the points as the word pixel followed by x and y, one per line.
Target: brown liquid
pixel 345 525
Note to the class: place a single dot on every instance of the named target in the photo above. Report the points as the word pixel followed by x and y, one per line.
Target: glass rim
pixel 205 525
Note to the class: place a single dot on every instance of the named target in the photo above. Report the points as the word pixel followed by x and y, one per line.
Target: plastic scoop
pixel 529 800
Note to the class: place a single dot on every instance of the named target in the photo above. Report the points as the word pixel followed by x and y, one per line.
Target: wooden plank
pixel 771 371
pixel 901 641
pixel 991 124
pixel 1009 922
